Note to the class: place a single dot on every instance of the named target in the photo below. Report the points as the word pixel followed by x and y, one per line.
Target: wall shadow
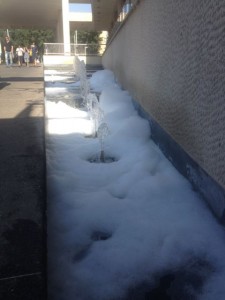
pixel 3 85
pixel 23 248
pixel 5 79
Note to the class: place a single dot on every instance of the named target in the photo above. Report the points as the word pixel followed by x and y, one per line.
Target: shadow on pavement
pixel 21 79
pixel 22 190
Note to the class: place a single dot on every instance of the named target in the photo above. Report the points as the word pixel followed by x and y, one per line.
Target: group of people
pixel 23 54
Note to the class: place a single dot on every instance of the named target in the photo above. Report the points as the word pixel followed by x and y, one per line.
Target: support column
pixel 59 29
pixel 66 26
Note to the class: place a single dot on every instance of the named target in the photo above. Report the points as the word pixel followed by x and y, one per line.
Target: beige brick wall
pixel 170 55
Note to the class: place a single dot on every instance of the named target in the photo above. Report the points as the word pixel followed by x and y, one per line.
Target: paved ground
pixel 22 184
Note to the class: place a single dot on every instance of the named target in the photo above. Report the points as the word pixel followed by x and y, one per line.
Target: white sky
pixel 149 217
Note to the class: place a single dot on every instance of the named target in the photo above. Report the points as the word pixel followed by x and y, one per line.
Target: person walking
pixel 0 52
pixel 34 50
pixel 19 52
pixel 8 48
pixel 26 56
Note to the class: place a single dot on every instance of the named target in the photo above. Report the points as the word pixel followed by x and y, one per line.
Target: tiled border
pixel 206 186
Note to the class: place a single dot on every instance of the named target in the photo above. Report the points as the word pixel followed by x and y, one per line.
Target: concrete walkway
pixel 22 184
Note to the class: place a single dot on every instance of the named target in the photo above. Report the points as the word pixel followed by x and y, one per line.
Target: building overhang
pixel 45 14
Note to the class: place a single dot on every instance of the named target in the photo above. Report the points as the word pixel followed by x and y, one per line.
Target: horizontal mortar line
pixel 20 276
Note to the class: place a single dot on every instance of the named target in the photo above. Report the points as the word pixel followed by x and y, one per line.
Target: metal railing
pixel 126 10
pixel 73 49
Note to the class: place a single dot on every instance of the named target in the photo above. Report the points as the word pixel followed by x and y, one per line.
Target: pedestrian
pixel 30 53
pixel 0 52
pixel 34 53
pixel 19 52
pixel 8 48
pixel 26 56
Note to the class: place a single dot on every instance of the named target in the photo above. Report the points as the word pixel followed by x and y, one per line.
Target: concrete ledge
pixel 58 59
pixel 69 60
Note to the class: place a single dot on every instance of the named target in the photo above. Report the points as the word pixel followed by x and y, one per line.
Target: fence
pixel 73 49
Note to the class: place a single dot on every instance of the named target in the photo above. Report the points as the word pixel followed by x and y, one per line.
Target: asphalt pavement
pixel 22 184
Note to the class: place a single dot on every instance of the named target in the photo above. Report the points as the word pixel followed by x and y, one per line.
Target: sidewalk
pixel 22 184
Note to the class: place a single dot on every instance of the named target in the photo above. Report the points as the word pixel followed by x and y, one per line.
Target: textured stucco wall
pixel 170 55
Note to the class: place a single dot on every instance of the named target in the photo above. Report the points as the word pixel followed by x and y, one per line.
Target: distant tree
pixel 92 38
pixel 89 37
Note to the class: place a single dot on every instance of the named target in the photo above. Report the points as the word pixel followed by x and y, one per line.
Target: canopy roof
pixel 45 14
